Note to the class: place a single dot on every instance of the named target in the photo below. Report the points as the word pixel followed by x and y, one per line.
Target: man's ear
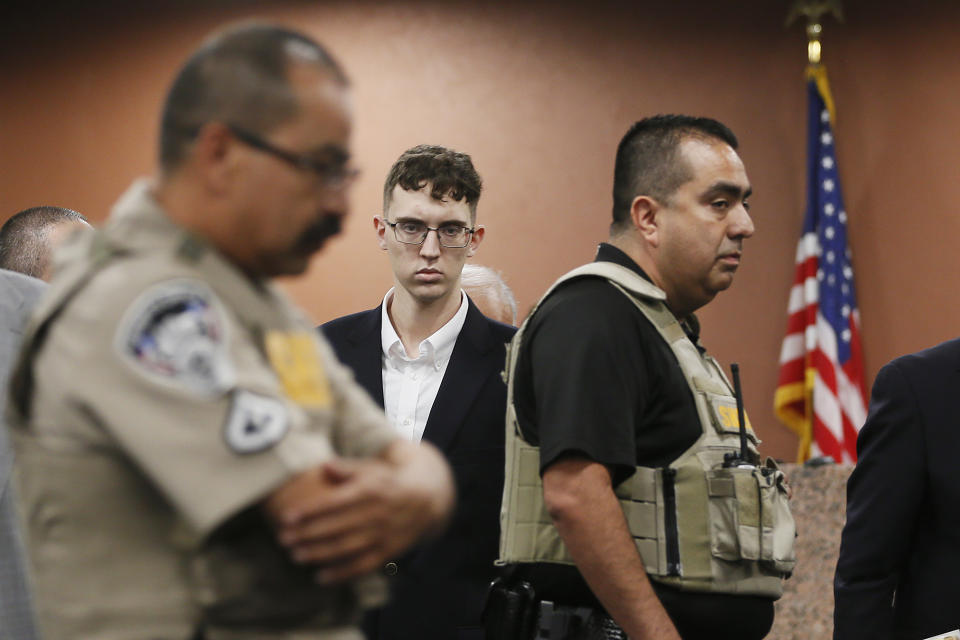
pixel 475 239
pixel 646 218
pixel 381 228
pixel 214 156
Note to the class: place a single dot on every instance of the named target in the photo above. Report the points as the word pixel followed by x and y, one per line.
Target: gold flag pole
pixel 814 10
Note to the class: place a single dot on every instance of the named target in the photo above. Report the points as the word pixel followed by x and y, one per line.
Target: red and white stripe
pixel 839 407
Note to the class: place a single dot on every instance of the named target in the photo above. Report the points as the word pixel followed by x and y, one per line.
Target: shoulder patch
pixel 255 422
pixel 175 333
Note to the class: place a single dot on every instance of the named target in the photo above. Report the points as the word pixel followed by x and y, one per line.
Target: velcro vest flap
pixel 639 486
pixel 709 385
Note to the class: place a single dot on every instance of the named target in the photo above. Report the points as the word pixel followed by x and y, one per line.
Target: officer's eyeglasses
pixel 451 235
pixel 333 174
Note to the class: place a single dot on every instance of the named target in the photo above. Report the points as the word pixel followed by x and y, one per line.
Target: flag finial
pixel 813 10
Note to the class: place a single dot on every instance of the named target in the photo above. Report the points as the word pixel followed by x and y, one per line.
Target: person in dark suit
pixel 433 361
pixel 900 551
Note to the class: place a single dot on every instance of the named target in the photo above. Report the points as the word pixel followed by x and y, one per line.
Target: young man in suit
pixel 433 361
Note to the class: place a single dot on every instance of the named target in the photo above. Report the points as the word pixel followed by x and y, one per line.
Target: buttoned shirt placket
pixel 410 385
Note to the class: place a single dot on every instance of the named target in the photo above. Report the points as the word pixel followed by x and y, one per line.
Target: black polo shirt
pixel 601 380
pixel 595 379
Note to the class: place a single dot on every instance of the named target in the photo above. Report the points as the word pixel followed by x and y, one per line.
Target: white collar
pixel 437 349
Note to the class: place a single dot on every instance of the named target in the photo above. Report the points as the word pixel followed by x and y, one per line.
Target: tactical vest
pixel 238 579
pixel 697 524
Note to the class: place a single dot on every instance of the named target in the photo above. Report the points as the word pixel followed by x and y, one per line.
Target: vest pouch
pixel 749 517
pixel 779 528
pixel 734 511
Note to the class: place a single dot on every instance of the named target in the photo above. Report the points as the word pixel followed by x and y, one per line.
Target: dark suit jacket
pixel 902 535
pixel 439 589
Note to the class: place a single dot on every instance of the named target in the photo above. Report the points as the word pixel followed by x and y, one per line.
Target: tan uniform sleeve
pixel 214 437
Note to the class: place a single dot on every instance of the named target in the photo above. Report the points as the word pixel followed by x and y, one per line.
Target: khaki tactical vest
pixel 698 525
pixel 234 578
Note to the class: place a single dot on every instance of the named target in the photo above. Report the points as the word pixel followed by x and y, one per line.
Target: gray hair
pixel 486 282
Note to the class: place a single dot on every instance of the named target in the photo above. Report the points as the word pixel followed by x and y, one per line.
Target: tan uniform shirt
pixel 172 394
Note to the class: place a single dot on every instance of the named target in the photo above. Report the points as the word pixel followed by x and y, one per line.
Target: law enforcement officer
pixel 626 494
pixel 192 460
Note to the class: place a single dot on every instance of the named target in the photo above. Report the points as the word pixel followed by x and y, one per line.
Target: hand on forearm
pixel 581 502
pixel 362 512
pixel 427 480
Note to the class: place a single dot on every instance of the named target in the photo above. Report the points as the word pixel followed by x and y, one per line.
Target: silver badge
pixel 256 422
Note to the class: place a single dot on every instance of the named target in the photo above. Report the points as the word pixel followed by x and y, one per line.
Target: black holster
pixel 562 622
pixel 510 612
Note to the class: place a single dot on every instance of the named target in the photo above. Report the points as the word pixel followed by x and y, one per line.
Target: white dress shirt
pixel 410 385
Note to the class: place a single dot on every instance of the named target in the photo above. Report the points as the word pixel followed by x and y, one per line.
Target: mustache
pixel 316 234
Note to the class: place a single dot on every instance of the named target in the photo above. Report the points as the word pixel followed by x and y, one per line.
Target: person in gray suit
pixel 18 296
pixel 29 238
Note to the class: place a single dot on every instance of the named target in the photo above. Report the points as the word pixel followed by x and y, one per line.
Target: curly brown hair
pixel 449 173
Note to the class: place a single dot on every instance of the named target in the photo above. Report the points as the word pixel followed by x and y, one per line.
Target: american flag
pixel 820 394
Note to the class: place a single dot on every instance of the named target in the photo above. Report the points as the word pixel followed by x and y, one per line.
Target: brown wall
pixel 539 94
